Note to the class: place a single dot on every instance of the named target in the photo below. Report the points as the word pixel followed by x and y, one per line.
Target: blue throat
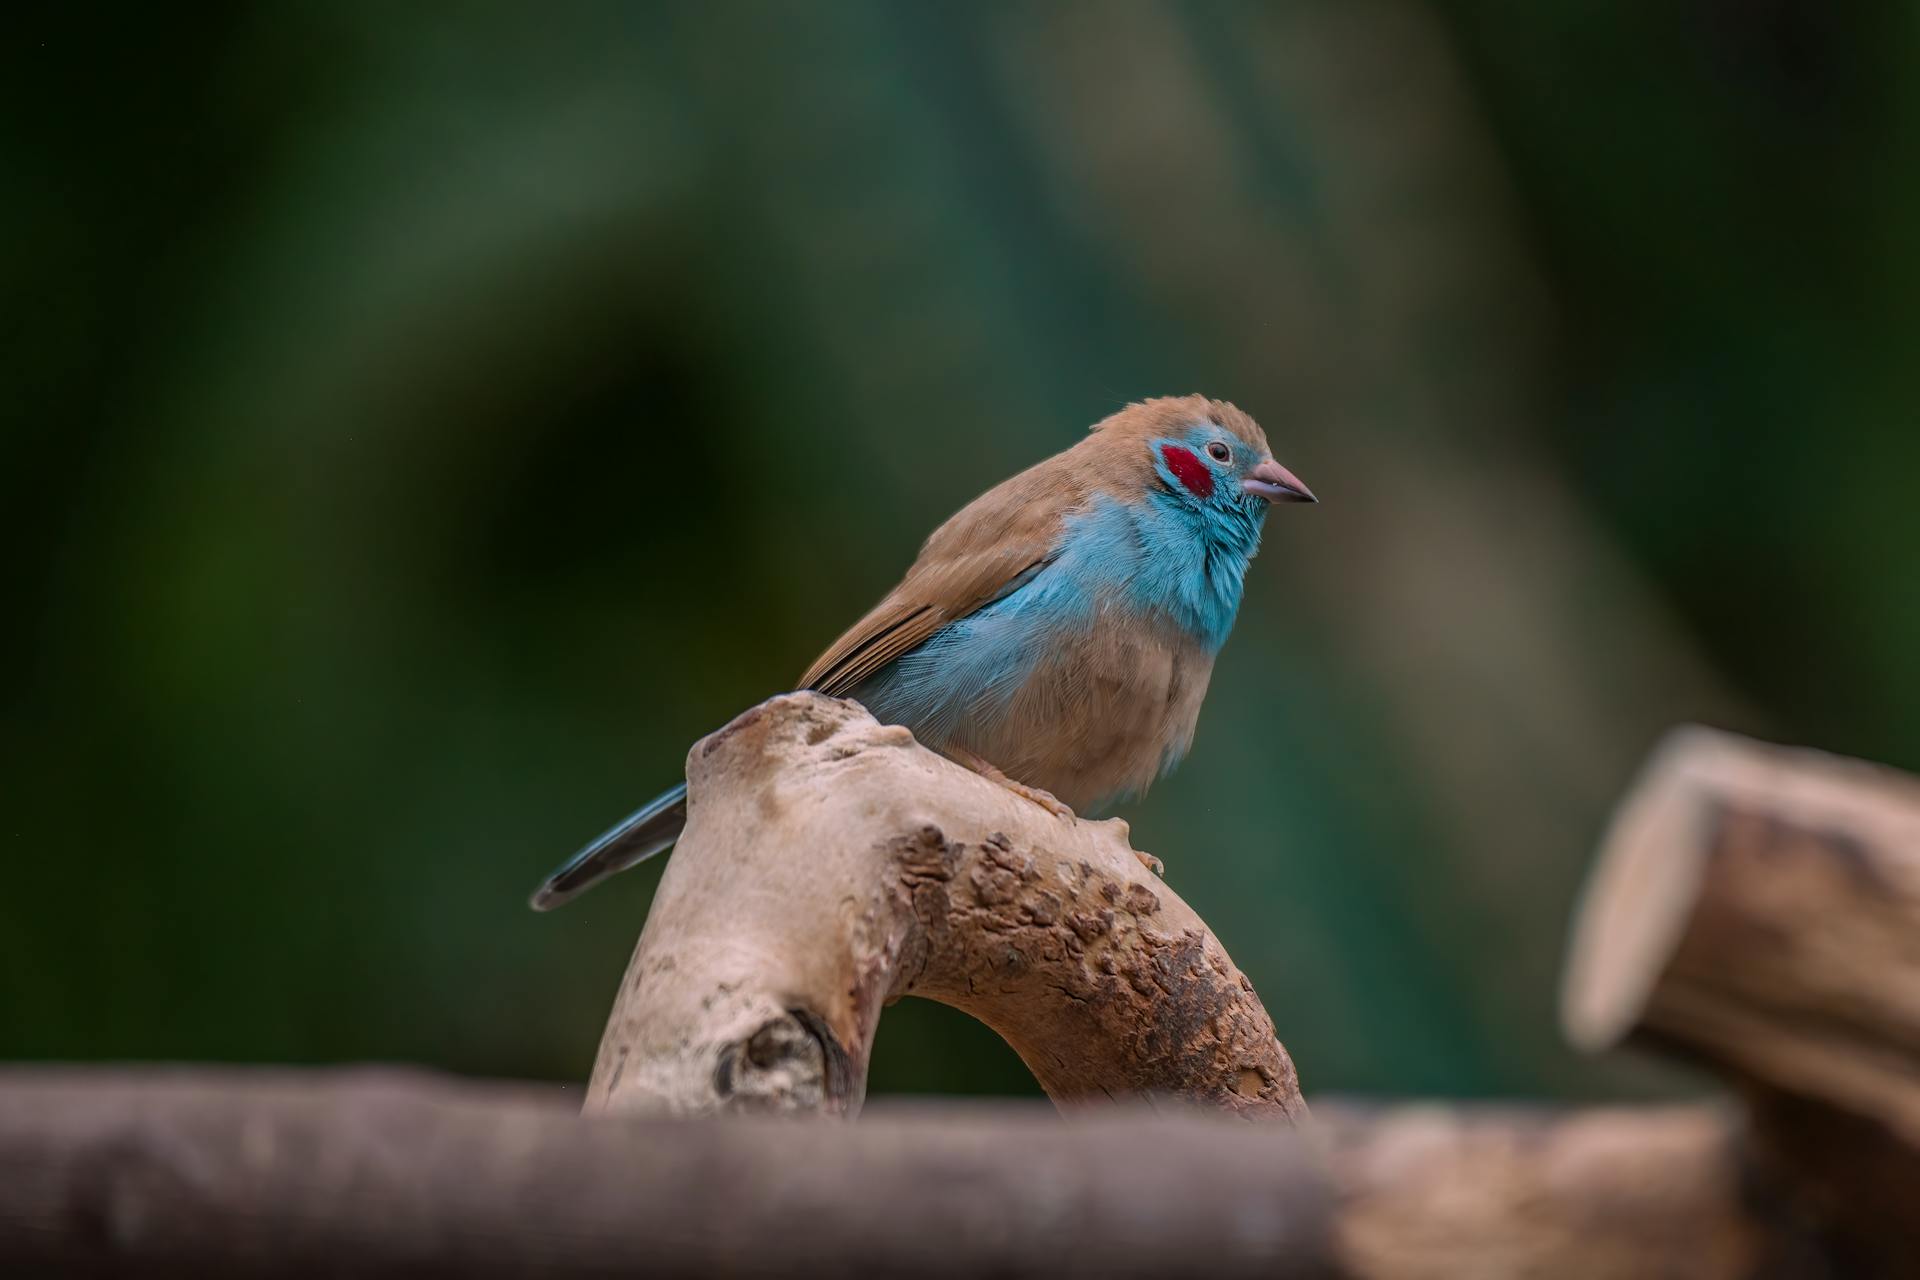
pixel 1166 557
pixel 1193 559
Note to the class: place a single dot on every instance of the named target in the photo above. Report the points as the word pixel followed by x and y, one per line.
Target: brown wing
pixel 970 561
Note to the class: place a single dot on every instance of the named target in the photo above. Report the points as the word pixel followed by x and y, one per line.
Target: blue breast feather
pixel 1162 560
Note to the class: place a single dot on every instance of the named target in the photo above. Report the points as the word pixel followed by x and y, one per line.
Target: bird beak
pixel 1275 483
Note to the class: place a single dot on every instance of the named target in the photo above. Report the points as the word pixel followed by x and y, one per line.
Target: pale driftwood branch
pixel 1757 909
pixel 831 865
pixel 221 1172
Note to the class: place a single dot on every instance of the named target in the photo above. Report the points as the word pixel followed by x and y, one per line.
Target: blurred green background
pixel 423 422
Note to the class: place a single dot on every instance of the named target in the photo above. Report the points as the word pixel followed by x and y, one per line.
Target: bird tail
pixel 641 834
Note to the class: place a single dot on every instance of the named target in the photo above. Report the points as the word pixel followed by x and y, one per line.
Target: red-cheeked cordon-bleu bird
pixel 1057 634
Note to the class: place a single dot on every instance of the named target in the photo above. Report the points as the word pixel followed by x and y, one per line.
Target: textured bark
pixel 1757 909
pixel 831 865
pixel 378 1174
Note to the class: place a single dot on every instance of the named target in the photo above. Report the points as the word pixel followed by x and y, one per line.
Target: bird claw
pixel 1045 799
pixel 1150 862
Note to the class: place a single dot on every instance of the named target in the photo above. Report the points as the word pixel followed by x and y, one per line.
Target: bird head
pixel 1208 452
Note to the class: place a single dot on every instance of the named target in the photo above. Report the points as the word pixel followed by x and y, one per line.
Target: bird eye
pixel 1219 451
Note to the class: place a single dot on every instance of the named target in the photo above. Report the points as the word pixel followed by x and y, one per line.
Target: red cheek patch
pixel 1188 470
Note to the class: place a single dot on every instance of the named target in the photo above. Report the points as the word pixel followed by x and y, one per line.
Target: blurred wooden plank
pixel 373 1174
pixel 209 1172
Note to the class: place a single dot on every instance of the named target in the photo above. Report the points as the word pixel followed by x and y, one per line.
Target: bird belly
pixel 1104 712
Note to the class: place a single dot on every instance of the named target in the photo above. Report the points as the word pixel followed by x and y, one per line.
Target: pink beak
pixel 1275 483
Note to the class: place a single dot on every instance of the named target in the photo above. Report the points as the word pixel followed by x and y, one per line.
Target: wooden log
pixel 381 1173
pixel 220 1173
pixel 831 865
pixel 1757 910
